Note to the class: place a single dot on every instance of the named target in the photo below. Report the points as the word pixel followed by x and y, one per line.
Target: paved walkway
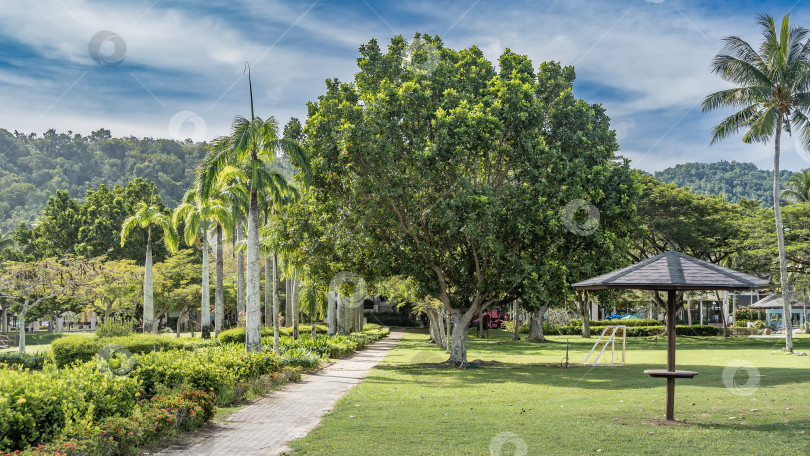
pixel 265 427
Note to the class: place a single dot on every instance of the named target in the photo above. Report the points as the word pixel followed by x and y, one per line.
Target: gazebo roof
pixel 674 271
pixel 772 302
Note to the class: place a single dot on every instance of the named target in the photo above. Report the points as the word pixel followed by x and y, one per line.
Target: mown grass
pixel 528 402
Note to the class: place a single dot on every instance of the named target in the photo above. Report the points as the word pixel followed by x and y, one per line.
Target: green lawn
pixel 402 408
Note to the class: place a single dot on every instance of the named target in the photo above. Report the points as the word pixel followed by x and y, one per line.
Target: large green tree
pixel 772 95
pixel 461 177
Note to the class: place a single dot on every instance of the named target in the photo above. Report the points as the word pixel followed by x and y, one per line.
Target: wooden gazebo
pixel 672 272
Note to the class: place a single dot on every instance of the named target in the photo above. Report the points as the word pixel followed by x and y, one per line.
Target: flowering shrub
pixel 161 416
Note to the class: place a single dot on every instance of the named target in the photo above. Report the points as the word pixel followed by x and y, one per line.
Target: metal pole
pixel 671 354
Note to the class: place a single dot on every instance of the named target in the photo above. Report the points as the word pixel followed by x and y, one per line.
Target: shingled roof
pixel 674 271
pixel 773 302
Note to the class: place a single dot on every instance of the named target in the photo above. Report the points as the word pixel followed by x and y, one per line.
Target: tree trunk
pixel 219 292
pixel 331 313
pixel 536 323
pixel 148 290
pixel 458 346
pixel 253 321
pixel 585 319
pixel 435 327
pixel 780 238
pixel 481 325
pixel 205 303
pixel 21 329
pixel 689 311
pixel 295 304
pixel 180 317
pixel 240 268
pixel 268 298
pixel 275 304
pixel 515 320
pixel 4 320
pixel 287 303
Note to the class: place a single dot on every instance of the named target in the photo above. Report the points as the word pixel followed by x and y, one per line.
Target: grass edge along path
pixel 265 426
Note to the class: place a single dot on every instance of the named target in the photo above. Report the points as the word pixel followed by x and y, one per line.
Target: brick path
pixel 265 427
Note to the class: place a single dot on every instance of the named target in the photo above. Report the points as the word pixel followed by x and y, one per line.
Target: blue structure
pixel 774 311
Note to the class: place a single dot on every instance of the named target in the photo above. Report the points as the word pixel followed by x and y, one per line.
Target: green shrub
pixel 209 369
pixel 36 406
pixel 510 326
pixel 629 322
pixel 698 330
pixel 81 348
pixel 399 319
pixel 632 331
pixel 112 328
pixel 741 323
pixel 237 335
pixel 33 361
pixel 735 331
pixel 118 436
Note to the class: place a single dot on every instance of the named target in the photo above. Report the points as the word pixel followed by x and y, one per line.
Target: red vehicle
pixel 493 319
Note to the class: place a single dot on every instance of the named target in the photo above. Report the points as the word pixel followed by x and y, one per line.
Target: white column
pixel 701 311
pixel 92 321
pixel 59 324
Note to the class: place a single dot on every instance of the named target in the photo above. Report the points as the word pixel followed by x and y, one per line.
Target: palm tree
pixel 797 188
pixel 772 95
pixel 147 216
pixel 196 213
pixel 252 145
pixel 7 242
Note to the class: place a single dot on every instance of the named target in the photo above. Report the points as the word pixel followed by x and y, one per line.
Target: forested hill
pixel 732 179
pixel 33 167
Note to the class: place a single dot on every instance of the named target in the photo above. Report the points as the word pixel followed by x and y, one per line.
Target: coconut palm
pixel 149 216
pixel 196 214
pixel 252 146
pixel 797 188
pixel 771 95
pixel 7 242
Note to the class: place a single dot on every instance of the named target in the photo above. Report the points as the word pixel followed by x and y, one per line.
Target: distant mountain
pixel 33 167
pixel 732 179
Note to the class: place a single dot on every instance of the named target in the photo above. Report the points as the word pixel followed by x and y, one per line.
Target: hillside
pixel 733 180
pixel 32 168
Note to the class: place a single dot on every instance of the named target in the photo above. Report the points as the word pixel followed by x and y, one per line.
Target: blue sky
pixel 182 74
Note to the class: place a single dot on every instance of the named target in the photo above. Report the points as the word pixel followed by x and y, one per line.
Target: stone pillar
pixel 59 324
pixel 92 321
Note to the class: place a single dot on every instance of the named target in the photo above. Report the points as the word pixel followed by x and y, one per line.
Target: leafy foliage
pixel 733 180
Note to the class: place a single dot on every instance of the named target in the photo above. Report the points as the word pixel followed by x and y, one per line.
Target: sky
pixel 175 68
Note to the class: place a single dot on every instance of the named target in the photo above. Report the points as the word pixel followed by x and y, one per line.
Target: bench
pixel 6 341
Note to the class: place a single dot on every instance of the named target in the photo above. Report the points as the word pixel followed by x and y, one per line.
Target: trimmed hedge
pixel 210 369
pixel 647 331
pixel 629 322
pixel 397 319
pixel 35 406
pixel 237 335
pixel 82 348
pixel 33 361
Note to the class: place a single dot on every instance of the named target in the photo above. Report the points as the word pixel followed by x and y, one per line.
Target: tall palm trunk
pixel 268 299
pixel 780 237
pixel 148 287
pixel 253 323
pixel 205 303
pixel 275 304
pixel 219 292
pixel 287 303
pixel 294 306
pixel 240 270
